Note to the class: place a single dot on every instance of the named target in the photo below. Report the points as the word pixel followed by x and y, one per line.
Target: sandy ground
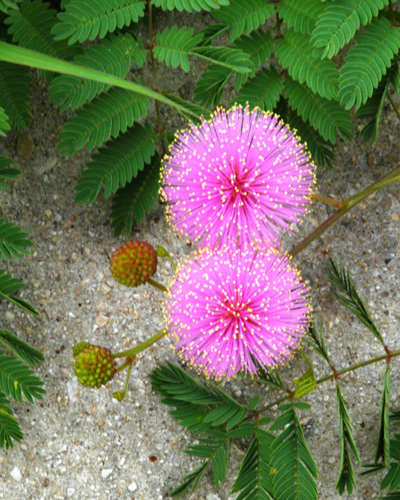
pixel 82 444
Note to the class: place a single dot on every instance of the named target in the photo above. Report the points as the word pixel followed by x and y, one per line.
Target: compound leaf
pixel 262 91
pixel 9 428
pixel 190 5
pixel 367 62
pixel 13 241
pixel 301 16
pixel 174 46
pixel 116 164
pixel 21 349
pixel 136 199
pixel 7 173
pixel 84 20
pixel 15 94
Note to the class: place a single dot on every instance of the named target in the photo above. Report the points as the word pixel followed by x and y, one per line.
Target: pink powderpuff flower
pixel 240 173
pixel 236 309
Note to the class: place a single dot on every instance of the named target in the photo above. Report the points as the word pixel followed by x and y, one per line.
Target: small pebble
pixel 106 472
pixel 101 320
pixel 16 474
pixel 132 486
pixel 70 492
pixel 48 212
pixel 395 217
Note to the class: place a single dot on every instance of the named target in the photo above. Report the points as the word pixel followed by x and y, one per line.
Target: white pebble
pixel 212 496
pixel 16 474
pixel 132 486
pixel 70 492
pixel 105 473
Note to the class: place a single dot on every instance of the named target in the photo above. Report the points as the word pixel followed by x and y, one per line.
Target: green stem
pixel 120 395
pixel 131 353
pixel 126 363
pixel 324 199
pixel 335 375
pixel 157 285
pixel 21 55
pixel 162 252
pixel 393 105
pixel 346 205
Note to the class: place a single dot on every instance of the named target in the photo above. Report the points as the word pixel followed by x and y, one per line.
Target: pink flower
pixel 240 173
pixel 231 309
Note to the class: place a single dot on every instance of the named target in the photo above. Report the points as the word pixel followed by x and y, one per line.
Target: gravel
pixel 83 444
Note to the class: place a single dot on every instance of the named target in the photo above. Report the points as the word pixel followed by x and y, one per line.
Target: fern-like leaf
pixel 84 20
pixel 174 46
pixel 116 164
pixel 367 62
pixel 340 277
pixel 262 91
pixel 229 57
pixel 319 147
pixel 216 451
pixel 338 23
pixel 325 116
pixel 4 124
pixel 10 430
pixel 17 379
pixel 136 199
pixel 346 479
pixel 244 15
pixel 315 338
pixel 259 45
pixel 392 477
pixel 255 476
pixel 13 241
pixel 9 285
pixel 7 173
pixel 301 16
pixel 189 482
pixel 113 56
pixel 294 464
pixel 210 86
pixel 21 349
pixel 383 443
pixel 106 116
pixel 190 5
pixel 5 6
pixel 295 54
pixel 30 27
pixel 373 108
pixel 15 94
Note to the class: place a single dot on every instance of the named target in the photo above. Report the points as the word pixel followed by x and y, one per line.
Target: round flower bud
pixel 134 263
pixel 94 366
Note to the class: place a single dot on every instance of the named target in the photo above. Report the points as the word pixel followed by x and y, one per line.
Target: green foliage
pixel 7 173
pixel 301 16
pixel 295 53
pixel 383 443
pixel 216 451
pixel 5 6
pixel 85 21
pixel 262 91
pixel 325 116
pixel 255 479
pixel 190 5
pixel 13 241
pixel 116 164
pixel 340 277
pixel 367 62
pixel 338 23
pixel 291 458
pixel 9 285
pixel 374 106
pixel 21 349
pixel 113 56
pixel 106 116
pixel 136 199
pixel 4 125
pixel 31 26
pixel 174 46
pixel 346 479
pixel 15 94
pixel 243 15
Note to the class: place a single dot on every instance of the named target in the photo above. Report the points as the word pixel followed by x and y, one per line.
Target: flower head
pixel 94 365
pixel 134 263
pixel 231 310
pixel 240 173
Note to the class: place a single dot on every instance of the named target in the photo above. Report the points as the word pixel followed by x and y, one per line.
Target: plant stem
pixel 157 285
pixel 324 199
pixel 153 67
pixel 120 395
pixel 393 106
pixel 27 57
pixel 391 354
pixel 131 353
pixel 345 206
